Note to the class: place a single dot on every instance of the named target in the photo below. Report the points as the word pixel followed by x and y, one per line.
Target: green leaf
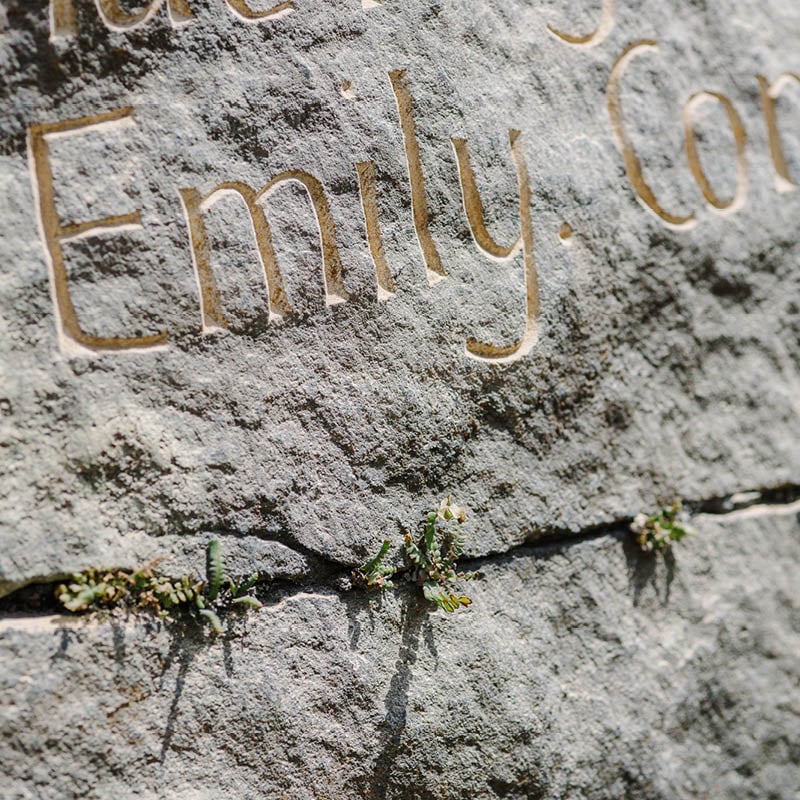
pixel 248 584
pixel 248 601
pixel 433 592
pixel 374 572
pixel 215 571
pixel 430 534
pixel 212 619
pixel 374 563
pixel 412 551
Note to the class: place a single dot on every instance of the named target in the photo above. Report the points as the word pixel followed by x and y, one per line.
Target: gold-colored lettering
pixel 63 20
pixel 473 207
pixel 416 177
pixel 195 205
pixel 369 204
pixel 72 339
pixel 633 166
pixel 599 34
pixel 242 10
pixel 740 138
pixel 63 17
pixel 769 100
pixel 118 20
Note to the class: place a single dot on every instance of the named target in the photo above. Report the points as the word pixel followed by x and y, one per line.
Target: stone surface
pixel 668 359
pixel 301 427
pixel 584 670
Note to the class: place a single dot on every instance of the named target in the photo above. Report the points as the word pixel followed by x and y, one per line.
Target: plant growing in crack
pixel 221 591
pixel 659 531
pixel 432 559
pixel 374 573
pixel 147 588
pixel 435 554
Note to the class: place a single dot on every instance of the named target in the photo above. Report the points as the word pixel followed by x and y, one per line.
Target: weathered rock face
pixel 666 362
pixel 289 274
pixel 581 671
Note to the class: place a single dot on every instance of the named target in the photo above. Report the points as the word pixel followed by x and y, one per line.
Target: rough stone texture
pixel 668 366
pixel 583 670
pixel 668 361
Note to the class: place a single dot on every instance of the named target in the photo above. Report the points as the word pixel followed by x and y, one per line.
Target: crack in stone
pixel 331 578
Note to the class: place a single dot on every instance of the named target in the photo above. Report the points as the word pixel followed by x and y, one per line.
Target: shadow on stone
pixel 370 602
pixel 66 635
pixel 184 648
pixel 643 571
pixel 396 701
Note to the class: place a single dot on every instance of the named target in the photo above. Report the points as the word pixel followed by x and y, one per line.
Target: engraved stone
pixel 286 274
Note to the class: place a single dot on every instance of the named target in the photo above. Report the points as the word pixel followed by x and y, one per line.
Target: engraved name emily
pixel 73 340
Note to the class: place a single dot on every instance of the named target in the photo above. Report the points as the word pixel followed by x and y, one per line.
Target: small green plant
pixel 435 554
pixel 660 530
pixel 215 569
pixel 374 573
pixel 146 587
pixel 432 559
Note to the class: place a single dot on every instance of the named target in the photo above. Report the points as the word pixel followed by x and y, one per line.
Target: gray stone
pixel 636 343
pixel 585 670
pixel 667 363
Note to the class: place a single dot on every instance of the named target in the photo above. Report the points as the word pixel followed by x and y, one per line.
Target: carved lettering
pixel 195 205
pixel 740 138
pixel 594 38
pixel 212 316
pixel 369 204
pixel 118 20
pixel 242 10
pixel 473 208
pixel 769 100
pixel 416 177
pixel 633 166
pixel 63 19
pixel 72 339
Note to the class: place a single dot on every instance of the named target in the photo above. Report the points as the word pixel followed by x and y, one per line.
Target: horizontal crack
pixel 785 494
pixel 330 578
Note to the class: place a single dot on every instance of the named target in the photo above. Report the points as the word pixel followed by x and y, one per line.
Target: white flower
pixel 448 510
